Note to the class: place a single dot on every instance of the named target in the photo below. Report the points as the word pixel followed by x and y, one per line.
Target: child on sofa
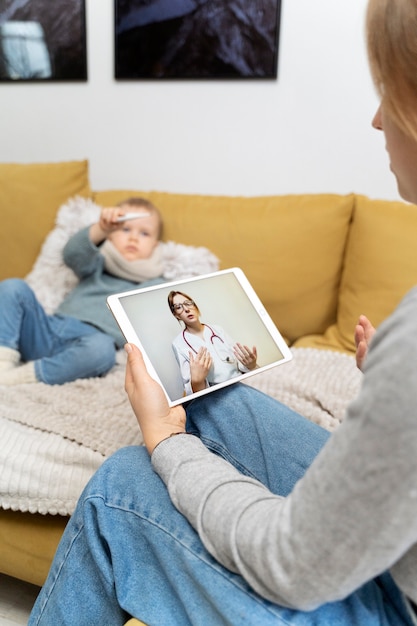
pixel 81 338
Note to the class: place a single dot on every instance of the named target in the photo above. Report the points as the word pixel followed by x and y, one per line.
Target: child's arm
pixel 81 252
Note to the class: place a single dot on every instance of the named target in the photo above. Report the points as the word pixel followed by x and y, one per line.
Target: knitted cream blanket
pixel 55 437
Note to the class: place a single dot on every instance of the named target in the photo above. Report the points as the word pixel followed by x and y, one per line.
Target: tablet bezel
pixel 225 298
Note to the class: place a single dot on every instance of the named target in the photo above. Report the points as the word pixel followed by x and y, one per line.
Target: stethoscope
pixel 213 336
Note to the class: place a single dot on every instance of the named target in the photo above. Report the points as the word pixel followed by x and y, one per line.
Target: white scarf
pixel 136 271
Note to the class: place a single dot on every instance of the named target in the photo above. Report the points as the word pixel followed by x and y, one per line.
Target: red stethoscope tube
pixel 213 336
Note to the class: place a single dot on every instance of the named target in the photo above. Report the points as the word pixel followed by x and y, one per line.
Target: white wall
pixel 308 131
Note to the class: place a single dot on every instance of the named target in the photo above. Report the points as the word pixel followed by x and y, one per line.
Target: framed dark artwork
pixel 197 39
pixel 43 40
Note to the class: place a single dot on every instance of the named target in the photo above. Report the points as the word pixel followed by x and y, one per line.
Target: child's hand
pixel 156 419
pixel 108 219
pixel 106 224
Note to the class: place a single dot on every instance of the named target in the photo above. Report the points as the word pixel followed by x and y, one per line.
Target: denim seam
pixel 56 576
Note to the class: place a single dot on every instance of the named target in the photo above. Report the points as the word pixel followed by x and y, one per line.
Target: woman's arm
pixel 350 518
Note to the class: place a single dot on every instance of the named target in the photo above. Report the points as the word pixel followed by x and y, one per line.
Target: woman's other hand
pixel 157 420
pixel 364 331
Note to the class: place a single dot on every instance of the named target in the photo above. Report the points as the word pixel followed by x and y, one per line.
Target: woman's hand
pixel 156 419
pixel 246 356
pixel 199 368
pixel 364 331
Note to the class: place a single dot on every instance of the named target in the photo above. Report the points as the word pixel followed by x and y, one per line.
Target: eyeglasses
pixel 178 308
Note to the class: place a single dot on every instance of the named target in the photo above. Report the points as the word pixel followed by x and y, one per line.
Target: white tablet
pixel 200 334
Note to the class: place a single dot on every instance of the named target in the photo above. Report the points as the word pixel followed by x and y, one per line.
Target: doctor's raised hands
pixel 200 365
pixel 205 353
pixel 157 420
pixel 246 356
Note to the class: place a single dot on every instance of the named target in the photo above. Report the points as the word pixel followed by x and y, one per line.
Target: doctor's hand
pixel 200 364
pixel 364 331
pixel 246 356
pixel 157 420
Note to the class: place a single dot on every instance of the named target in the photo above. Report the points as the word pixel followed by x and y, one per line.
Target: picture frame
pixel 43 41
pixel 196 39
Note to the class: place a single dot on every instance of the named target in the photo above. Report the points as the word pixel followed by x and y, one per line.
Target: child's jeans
pixel 62 347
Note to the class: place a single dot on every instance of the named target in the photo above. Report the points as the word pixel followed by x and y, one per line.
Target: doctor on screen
pixel 205 354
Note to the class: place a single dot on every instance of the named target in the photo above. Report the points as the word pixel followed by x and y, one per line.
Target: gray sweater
pixel 351 517
pixel 87 301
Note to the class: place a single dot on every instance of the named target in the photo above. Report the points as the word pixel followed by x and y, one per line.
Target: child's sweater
pixel 87 301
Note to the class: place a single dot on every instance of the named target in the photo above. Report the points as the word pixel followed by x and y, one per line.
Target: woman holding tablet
pixel 252 514
pixel 206 355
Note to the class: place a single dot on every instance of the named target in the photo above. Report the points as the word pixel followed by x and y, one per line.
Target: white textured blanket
pixel 55 437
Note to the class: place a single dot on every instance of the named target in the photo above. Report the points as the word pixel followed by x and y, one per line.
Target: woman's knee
pixel 127 480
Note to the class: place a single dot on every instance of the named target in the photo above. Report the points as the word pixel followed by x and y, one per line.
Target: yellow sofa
pixel 316 260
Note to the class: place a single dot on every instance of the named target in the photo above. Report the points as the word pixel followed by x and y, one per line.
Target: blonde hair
pixel 391 28
pixel 143 203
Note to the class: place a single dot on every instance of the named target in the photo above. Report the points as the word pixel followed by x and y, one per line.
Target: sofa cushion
pixel 380 267
pixel 30 195
pixel 290 247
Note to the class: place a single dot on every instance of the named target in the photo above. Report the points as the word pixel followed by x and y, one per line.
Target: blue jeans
pixel 62 347
pixel 128 552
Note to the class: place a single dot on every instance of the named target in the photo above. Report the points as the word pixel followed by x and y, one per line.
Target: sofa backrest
pixel 30 195
pixel 290 247
pixel 317 261
pixel 380 266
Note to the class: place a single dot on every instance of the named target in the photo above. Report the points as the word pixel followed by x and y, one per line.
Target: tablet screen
pixel 200 334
